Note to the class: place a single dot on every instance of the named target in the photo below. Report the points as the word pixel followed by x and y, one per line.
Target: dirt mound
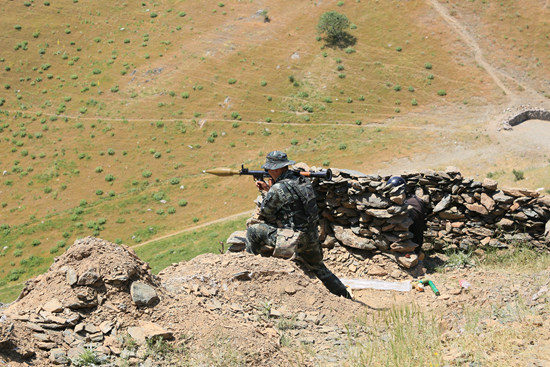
pixel 232 307
pixel 99 304
pixel 85 292
pixel 252 300
pixel 90 271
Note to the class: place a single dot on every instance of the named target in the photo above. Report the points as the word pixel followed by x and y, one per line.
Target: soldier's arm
pixel 272 203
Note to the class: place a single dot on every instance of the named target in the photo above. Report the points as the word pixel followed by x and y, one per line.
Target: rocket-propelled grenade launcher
pixel 260 174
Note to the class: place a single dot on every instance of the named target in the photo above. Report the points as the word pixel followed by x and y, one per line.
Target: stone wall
pixel 517 115
pixel 360 211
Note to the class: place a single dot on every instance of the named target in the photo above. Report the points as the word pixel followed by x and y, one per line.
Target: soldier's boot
pixel 335 286
pixel 329 280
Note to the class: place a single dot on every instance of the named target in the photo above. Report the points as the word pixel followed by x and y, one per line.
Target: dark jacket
pixel 417 211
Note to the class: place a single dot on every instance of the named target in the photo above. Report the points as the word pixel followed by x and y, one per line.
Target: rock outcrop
pixel 81 302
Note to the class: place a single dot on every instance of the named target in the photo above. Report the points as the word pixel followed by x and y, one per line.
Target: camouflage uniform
pixel 291 204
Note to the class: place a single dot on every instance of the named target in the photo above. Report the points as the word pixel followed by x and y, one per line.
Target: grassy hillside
pixel 515 37
pixel 109 111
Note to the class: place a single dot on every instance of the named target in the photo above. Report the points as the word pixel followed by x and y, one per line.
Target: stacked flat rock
pixel 469 214
pixel 519 114
pixel 360 211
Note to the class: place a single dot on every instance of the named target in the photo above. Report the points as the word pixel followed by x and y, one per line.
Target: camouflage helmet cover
pixel 276 160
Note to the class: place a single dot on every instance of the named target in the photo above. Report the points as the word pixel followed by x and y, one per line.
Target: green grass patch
pixel 400 336
pixel 519 257
pixel 185 246
pixel 10 292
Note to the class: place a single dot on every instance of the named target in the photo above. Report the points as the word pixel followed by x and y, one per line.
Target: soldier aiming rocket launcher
pixel 259 175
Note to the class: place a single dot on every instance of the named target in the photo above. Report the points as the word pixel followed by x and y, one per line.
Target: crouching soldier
pixel 290 214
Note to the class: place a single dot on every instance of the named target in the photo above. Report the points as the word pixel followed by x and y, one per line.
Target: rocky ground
pixel 99 303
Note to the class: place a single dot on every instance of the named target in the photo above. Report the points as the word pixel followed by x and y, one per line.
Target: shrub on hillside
pixel 518 175
pixel 158 196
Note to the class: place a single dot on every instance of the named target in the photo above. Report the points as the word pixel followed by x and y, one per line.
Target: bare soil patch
pixel 532 135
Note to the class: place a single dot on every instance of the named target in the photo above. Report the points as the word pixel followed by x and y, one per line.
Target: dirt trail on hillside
pixel 194 228
pixel 528 94
pixel 500 150
pixel 462 32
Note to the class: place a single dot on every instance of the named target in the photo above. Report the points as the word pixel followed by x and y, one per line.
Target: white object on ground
pixel 541 292
pixel 358 283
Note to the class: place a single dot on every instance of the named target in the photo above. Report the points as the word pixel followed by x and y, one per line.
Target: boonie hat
pixel 276 160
